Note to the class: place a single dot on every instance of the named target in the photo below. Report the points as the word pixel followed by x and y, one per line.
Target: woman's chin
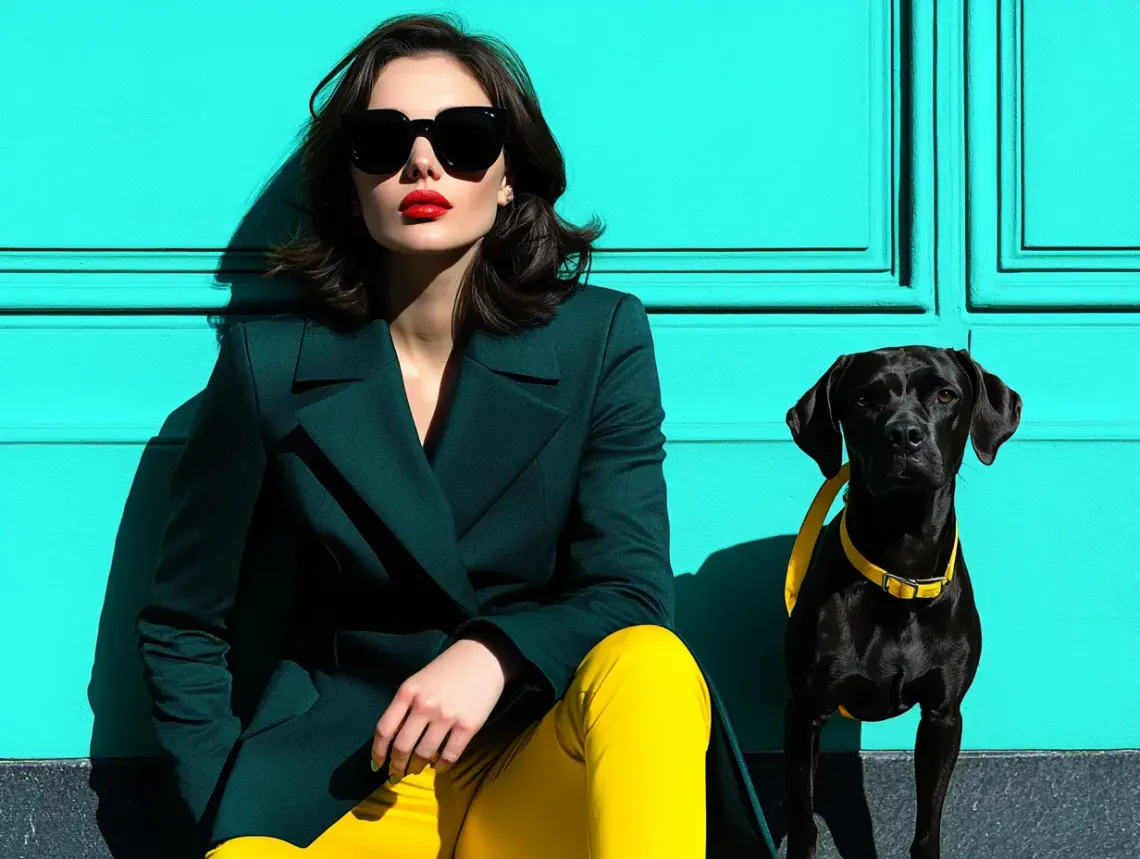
pixel 427 239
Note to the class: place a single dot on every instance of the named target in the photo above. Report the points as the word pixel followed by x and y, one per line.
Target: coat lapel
pixel 503 412
pixel 366 431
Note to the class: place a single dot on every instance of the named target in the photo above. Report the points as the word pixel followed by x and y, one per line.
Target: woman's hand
pixel 439 709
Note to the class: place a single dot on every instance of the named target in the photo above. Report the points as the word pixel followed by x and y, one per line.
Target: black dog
pixel 906 414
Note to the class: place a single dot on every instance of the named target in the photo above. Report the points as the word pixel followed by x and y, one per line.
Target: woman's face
pixel 420 87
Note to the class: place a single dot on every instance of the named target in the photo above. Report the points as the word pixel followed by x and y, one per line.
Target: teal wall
pixel 783 181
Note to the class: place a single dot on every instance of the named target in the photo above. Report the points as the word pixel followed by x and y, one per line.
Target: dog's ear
pixel 997 409
pixel 812 422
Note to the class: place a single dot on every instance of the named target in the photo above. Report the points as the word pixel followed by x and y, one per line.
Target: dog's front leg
pixel 935 754
pixel 802 728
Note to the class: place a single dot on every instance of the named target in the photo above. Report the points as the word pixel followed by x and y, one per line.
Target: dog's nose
pixel 906 434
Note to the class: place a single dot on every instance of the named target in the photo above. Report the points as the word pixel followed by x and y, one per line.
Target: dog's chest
pixel 877 670
pixel 882 650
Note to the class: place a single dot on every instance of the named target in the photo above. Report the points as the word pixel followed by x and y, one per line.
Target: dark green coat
pixel 539 519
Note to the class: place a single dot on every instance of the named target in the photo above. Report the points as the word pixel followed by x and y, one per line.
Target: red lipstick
pixel 424 204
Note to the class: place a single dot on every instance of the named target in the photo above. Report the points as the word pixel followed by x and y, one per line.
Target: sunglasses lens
pixel 469 138
pixel 379 141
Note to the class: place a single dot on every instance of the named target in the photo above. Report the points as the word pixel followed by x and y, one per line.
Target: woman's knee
pixel 655 645
pixel 647 657
pixel 255 847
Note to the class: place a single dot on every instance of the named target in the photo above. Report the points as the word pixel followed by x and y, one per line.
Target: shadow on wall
pixel 139 813
pixel 732 614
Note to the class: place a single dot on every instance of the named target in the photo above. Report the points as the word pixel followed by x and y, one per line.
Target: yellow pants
pixel 615 770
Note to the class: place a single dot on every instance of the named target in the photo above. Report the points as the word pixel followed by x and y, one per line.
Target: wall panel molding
pixel 1007 269
pixel 892 270
pixel 706 287
pixel 127 379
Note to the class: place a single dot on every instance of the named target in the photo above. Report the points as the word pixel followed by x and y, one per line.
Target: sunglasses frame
pixel 356 121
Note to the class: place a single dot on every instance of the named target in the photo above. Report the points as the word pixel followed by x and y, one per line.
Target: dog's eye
pixel 862 402
pixel 946 396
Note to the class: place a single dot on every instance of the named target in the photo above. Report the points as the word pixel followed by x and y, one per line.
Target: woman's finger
pixel 429 746
pixel 457 741
pixel 387 728
pixel 405 743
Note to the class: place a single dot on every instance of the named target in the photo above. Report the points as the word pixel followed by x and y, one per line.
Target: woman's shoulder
pixel 595 312
pixel 593 299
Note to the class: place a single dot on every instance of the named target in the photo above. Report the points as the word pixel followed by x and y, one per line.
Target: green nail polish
pixel 375 766
pixel 395 779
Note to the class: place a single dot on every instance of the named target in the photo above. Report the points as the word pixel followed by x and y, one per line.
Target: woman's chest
pixel 417 520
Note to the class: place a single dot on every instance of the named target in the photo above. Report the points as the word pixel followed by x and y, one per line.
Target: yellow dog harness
pixel 897 586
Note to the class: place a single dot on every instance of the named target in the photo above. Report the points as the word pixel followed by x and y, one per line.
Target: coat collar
pixel 505 408
pixel 328 355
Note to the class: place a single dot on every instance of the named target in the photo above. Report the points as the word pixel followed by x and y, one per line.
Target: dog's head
pixel 906 414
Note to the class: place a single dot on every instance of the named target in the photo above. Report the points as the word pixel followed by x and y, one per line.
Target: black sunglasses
pixel 465 139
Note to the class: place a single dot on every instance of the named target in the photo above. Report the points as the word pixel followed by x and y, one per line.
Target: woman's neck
pixel 419 296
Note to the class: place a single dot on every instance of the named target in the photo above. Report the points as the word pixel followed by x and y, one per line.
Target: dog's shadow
pixel 732 614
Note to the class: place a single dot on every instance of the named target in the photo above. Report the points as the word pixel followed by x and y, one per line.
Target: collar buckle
pixel 910 583
pixel 903 580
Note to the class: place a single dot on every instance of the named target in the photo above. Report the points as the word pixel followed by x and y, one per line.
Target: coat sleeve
pixel 182 631
pixel 615 552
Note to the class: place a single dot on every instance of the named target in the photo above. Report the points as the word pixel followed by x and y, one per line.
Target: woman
pixel 443 489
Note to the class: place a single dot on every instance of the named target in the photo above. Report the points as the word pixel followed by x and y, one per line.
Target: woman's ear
pixel 506 192
pixel 815 429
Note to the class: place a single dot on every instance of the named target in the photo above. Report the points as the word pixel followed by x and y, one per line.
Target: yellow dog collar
pixel 897 586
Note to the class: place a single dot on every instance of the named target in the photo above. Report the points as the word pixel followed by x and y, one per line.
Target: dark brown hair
pixel 529 261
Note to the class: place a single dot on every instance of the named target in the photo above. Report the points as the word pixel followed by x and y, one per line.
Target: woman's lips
pixel 421 210
pixel 424 204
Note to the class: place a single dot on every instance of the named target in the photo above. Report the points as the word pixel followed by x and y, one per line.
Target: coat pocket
pixel 289 695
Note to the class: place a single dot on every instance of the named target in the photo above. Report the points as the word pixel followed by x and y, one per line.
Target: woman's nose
pixel 422 161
